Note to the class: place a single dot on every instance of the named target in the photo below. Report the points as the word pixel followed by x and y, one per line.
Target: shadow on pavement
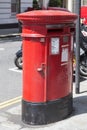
pixel 80 105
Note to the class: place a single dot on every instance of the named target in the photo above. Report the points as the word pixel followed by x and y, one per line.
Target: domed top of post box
pixel 47 17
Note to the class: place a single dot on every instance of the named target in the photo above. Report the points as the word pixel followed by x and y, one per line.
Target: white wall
pixel 70 5
pixel 5 10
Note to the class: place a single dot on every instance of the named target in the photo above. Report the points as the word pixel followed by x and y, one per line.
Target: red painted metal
pixel 59 72
pixel 47 74
pixel 46 17
pixel 34 78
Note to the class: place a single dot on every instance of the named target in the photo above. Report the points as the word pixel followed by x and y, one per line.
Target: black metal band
pixel 45 113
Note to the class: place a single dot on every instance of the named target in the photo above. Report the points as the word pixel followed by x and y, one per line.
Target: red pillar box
pixel 47 65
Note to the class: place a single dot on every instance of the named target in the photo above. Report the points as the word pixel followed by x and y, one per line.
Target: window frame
pixel 14 4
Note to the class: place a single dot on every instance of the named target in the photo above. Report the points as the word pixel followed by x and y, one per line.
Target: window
pixel 13 7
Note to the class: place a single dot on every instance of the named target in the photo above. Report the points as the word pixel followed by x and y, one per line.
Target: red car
pixel 84 13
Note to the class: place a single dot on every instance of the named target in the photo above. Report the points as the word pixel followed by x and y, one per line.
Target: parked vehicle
pixel 83 52
pixel 18 59
pixel 84 14
pixel 83 62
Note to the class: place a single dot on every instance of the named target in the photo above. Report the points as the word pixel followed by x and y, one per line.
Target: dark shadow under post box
pixel 47 65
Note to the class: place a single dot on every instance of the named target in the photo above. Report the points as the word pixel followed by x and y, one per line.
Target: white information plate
pixel 54 46
pixel 64 57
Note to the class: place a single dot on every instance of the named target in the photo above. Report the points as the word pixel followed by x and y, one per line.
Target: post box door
pixel 34 70
pixel 59 71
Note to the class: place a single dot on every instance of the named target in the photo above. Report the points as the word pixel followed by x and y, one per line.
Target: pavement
pixel 10 116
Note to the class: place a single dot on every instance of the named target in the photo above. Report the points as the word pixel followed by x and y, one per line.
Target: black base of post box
pixel 45 113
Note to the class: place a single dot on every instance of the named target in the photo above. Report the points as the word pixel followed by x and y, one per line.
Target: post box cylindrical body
pixel 47 65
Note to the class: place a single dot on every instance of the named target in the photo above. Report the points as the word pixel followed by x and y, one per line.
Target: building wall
pixel 45 3
pixel 25 4
pixel 69 4
pixel 5 11
pixel 84 2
